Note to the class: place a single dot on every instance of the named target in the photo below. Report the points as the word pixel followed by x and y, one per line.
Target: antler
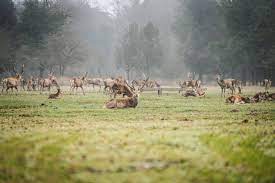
pixel 131 87
pixel 140 89
pixel 144 75
pixel 22 69
pixel 14 69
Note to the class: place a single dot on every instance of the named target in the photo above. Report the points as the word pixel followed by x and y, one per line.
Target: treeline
pixel 234 38
pixel 157 38
pixel 53 35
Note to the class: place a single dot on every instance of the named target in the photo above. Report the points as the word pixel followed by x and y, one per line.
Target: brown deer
pixel 128 102
pixel 79 83
pixel 267 84
pixel 96 82
pixel 112 84
pixel 226 84
pixel 194 84
pixel 13 82
pixel 123 89
pixel 32 83
pixel 48 82
pixel 237 99
pixel 57 95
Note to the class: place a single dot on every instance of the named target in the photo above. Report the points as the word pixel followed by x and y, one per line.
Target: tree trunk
pixel 41 71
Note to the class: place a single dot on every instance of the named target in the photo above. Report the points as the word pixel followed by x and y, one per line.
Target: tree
pixel 198 25
pixel 151 48
pixel 8 22
pixel 129 53
pixel 251 30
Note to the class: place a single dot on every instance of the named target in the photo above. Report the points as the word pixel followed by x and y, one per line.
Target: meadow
pixel 165 139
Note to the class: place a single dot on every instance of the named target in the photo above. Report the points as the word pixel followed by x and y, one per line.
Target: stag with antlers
pixel 13 82
pixel 228 84
pixel 131 101
pixel 79 83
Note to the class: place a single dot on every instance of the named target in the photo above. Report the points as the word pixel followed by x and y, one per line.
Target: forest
pixel 162 39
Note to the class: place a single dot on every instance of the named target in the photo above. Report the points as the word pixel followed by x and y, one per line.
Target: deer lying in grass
pixel 267 84
pixel 228 84
pixel 57 95
pixel 237 99
pixel 79 83
pixel 195 92
pixel 194 84
pixel 13 82
pixel 128 102
pixel 48 82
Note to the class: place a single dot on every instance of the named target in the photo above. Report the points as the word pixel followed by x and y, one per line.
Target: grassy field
pixel 165 139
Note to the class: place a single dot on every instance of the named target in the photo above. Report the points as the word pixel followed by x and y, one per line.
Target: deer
pixel 57 95
pixel 109 83
pixel 128 102
pixel 48 82
pixel 79 83
pixel 96 82
pixel 194 84
pixel 226 84
pixel 32 83
pixel 267 84
pixel 123 89
pixel 237 99
pixel 13 82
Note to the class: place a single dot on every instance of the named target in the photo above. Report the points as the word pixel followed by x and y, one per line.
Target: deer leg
pixel 16 90
pixel 240 90
pixel 82 90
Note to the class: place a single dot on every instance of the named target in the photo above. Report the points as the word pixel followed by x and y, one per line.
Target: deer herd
pixel 130 90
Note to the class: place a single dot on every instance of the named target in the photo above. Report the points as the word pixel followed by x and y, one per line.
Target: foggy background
pixel 158 38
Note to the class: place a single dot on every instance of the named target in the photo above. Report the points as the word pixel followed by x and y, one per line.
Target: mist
pixel 161 39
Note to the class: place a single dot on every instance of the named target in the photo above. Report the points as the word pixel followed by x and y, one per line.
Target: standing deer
pixel 128 102
pixel 226 84
pixel 79 83
pixel 267 84
pixel 32 83
pixel 13 82
pixel 96 82
pixel 48 82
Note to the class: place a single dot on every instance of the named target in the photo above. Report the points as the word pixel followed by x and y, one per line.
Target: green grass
pixel 165 139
